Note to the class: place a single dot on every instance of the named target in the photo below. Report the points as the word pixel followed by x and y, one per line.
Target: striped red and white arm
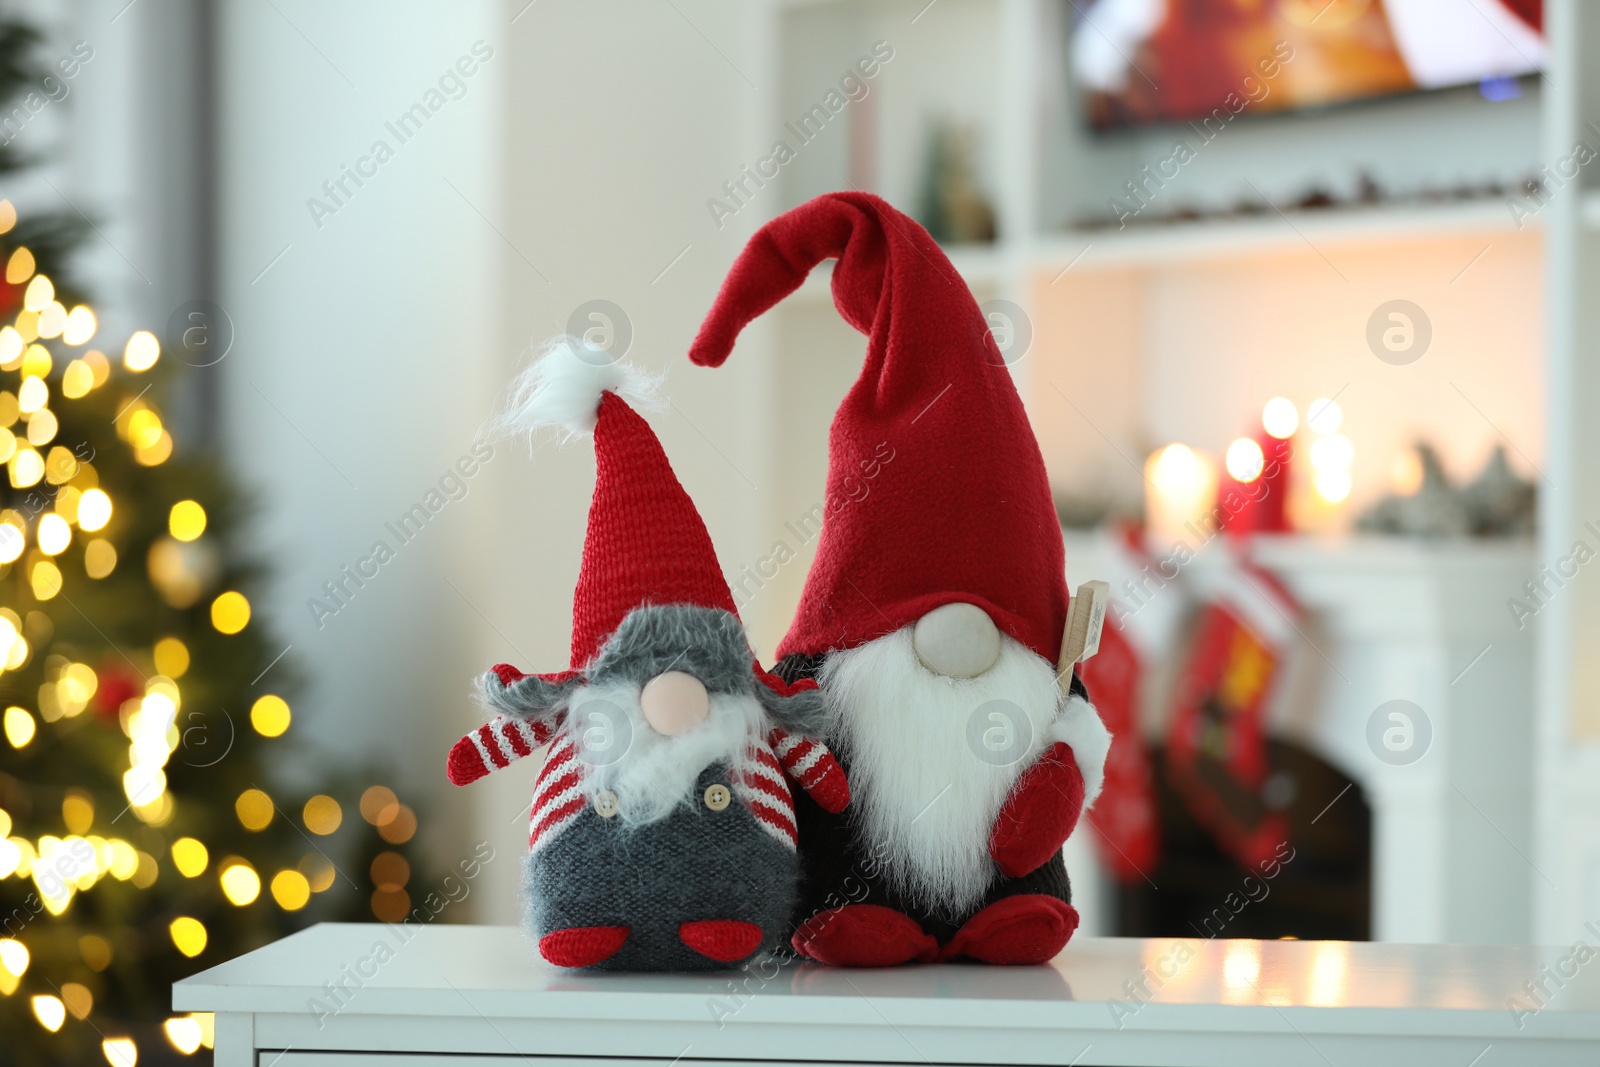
pixel 813 767
pixel 557 793
pixel 765 793
pixel 498 743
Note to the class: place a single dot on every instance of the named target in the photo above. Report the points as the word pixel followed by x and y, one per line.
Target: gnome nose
pixel 957 640
pixel 674 702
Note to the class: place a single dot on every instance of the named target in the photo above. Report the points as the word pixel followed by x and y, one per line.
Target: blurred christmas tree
pixel 142 836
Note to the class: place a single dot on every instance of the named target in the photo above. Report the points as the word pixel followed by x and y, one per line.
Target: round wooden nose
pixel 957 640
pixel 674 702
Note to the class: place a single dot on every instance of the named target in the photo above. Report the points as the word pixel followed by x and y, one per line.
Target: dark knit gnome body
pixel 696 865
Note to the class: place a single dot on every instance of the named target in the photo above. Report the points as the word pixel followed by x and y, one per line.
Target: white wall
pixel 366 357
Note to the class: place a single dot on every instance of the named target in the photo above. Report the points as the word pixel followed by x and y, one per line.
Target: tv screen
pixel 1148 61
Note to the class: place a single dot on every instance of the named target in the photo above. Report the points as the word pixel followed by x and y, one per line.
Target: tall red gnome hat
pixel 961 512
pixel 646 543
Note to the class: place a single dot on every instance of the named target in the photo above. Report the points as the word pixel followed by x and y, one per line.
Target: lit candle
pixel 1254 497
pixel 1180 486
pixel 1331 454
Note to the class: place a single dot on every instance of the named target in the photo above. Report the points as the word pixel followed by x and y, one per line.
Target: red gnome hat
pixel 646 543
pixel 958 506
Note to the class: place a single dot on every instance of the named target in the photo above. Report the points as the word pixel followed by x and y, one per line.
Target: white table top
pixel 1305 999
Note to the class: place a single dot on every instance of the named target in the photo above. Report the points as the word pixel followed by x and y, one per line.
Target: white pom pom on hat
pixel 563 386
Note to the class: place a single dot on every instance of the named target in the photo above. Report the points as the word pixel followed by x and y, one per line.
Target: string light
pixel 184 1032
pixel 94 510
pixel 240 883
pixel 45 579
pixel 77 380
pixel 99 558
pixel 80 326
pixel 230 612
pixel 19 727
pixel 254 809
pixel 14 957
pixel 189 935
pixel 38 294
pixel 49 1010
pixel 54 534
pixel 120 1051
pixel 19 268
pixel 379 805
pixel 187 520
pixel 171 657
pixel 291 890
pixel 42 427
pixel 32 395
pixel 270 715
pixel 78 999
pixel 141 351
pixel 190 857
pixel 322 815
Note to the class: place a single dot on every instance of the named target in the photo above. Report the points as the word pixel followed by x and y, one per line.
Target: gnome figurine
pixel 933 616
pixel 662 833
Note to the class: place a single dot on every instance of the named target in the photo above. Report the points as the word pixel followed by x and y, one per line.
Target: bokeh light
pixel 141 351
pixel 270 715
pixel 254 809
pixel 94 510
pixel 190 857
pixel 1245 460
pixel 189 935
pixel 240 883
pixel 291 890
pixel 187 520
pixel 1280 418
pixel 322 815
pixel 230 612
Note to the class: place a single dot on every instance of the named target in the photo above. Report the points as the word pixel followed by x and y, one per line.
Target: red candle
pixel 1253 497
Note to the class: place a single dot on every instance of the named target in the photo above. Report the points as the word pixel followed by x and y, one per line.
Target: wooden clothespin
pixel 1086 621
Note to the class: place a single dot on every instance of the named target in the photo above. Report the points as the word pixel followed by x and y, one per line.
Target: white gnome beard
pixel 922 797
pixel 652 773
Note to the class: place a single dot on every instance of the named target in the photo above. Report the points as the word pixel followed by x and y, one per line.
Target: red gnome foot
pixel 1016 931
pixel 723 940
pixel 864 935
pixel 582 946
pixel 1040 813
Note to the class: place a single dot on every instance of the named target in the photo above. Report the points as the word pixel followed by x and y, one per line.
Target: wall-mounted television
pixel 1154 61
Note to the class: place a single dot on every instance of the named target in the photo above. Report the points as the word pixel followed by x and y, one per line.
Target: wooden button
pixel 605 803
pixel 717 796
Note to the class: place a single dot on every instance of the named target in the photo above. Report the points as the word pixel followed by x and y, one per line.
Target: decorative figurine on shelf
pixel 935 615
pixel 1434 510
pixel 1497 503
pixel 662 833
pixel 954 208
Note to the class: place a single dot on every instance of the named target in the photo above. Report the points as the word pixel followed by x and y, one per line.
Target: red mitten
pixel 1039 815
pixel 811 765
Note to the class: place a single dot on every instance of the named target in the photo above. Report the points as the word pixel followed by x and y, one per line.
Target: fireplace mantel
pixel 1391 619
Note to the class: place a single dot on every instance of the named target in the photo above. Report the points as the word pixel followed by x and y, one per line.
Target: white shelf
pixel 1154 244
pixel 1151 245
pixel 453 994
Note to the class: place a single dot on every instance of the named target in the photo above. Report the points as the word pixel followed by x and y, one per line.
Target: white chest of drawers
pixel 466 996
